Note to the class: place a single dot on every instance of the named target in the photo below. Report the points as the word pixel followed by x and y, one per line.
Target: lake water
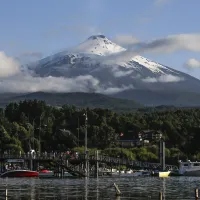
pixel 140 188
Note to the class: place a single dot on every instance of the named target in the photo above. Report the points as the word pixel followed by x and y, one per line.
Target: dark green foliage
pixel 28 124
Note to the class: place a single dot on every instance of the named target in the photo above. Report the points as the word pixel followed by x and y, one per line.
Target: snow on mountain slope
pixel 99 45
pixel 150 65
pixel 138 72
pixel 92 53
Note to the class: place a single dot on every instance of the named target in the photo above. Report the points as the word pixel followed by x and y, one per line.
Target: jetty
pixel 76 166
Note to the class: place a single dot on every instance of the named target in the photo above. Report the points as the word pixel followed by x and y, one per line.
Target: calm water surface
pixel 141 188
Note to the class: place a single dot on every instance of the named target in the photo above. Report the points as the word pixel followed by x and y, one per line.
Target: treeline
pixel 34 124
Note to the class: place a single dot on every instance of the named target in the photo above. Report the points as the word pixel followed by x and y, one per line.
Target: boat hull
pixel 50 174
pixel 20 173
pixel 162 174
pixel 192 173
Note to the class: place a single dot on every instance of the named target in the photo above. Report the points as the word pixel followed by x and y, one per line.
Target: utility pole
pixel 162 154
pixel 78 130
pixel 40 126
pixel 33 134
pixel 86 151
pixel 40 136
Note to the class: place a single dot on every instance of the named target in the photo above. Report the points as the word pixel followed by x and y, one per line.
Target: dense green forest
pixel 34 124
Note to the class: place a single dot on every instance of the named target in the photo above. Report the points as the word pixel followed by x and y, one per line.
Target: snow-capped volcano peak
pixel 99 45
pixel 94 37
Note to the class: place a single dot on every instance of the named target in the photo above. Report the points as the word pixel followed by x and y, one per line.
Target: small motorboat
pixel 161 174
pixel 19 173
pixel 141 173
pixel 44 173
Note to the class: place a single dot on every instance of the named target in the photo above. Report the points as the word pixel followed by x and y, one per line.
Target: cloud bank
pixel 171 44
pixel 192 64
pixel 165 45
pixel 13 79
pixel 8 66
pixel 125 40
pixel 163 79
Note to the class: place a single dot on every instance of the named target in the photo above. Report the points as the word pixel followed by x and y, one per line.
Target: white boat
pixel 50 174
pixel 67 174
pixel 129 171
pixel 189 168
pixel 141 173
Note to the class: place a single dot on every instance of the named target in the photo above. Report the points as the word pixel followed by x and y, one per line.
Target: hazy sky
pixel 31 29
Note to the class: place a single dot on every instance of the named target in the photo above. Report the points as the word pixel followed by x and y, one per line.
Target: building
pixel 150 135
pixel 142 138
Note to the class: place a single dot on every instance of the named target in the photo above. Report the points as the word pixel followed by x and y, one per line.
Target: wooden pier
pixel 76 166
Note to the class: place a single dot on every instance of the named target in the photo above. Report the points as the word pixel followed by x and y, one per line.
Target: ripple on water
pixel 140 188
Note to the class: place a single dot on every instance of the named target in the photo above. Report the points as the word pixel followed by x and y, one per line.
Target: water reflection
pixel 33 190
pixel 97 186
pixel 117 198
pixel 86 188
pixel 164 187
pixel 140 188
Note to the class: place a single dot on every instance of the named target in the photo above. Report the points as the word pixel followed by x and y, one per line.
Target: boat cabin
pixel 188 165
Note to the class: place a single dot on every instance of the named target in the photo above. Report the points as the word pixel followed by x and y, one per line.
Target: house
pixel 151 135
pixel 142 138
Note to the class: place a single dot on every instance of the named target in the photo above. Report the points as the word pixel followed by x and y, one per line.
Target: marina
pixel 97 166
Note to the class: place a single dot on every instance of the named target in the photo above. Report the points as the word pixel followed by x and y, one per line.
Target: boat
pixel 189 168
pixel 141 173
pixel 175 172
pixel 19 173
pixel 46 173
pixel 50 174
pixel 161 174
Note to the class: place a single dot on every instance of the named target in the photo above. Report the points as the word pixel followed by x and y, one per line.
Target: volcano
pixel 118 75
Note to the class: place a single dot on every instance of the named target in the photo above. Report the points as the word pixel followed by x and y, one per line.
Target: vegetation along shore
pixel 133 135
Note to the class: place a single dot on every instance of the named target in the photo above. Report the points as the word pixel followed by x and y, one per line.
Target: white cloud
pixel 120 72
pixel 169 44
pixel 26 83
pixel 192 63
pixel 113 90
pixel 163 79
pixel 8 66
pixel 14 80
pixel 150 80
pixel 125 40
pixel 172 43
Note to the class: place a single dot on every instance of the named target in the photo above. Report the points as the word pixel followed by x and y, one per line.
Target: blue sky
pixel 30 29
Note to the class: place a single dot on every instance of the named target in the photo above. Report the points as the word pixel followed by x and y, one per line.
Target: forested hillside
pixel 27 124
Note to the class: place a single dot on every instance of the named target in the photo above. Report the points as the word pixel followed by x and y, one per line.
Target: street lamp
pixel 86 151
pixel 86 119
pixel 78 130
pixel 40 117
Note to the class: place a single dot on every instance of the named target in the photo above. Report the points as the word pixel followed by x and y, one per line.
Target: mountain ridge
pixel 78 99
pixel 113 69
